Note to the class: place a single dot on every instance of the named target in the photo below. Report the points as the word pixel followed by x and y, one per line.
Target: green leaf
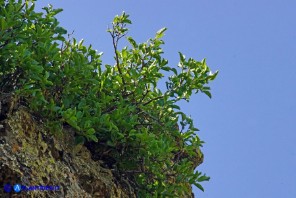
pixel 166 68
pixel 160 32
pixel 79 115
pixel 90 131
pixel 207 93
pixel 182 57
pixel 203 178
pixel 214 75
pixel 3 24
pixel 56 11
pixel 132 42
pixel 175 107
pixel 199 186
pixel 118 79
pixel 174 70
pixel 92 137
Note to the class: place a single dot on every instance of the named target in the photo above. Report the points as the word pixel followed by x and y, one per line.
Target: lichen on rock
pixel 31 157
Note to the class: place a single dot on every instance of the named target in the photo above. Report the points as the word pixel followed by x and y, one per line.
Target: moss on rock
pixel 31 157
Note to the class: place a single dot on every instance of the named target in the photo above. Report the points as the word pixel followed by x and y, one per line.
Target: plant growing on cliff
pixel 118 108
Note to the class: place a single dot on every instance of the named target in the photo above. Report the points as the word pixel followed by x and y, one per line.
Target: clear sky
pixel 250 124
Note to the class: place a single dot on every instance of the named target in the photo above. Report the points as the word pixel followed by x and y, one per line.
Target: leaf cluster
pixel 118 106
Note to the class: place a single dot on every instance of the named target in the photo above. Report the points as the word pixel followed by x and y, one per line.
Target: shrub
pixel 118 107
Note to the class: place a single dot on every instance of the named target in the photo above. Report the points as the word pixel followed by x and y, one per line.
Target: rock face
pixel 32 157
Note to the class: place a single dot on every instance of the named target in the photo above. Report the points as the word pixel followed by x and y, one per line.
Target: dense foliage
pixel 118 107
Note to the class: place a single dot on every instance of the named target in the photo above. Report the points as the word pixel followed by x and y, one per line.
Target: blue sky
pixel 250 124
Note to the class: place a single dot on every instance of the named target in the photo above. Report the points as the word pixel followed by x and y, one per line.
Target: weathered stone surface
pixel 30 156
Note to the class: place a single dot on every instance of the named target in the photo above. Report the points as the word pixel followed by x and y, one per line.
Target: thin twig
pixel 115 39
pixel 153 99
